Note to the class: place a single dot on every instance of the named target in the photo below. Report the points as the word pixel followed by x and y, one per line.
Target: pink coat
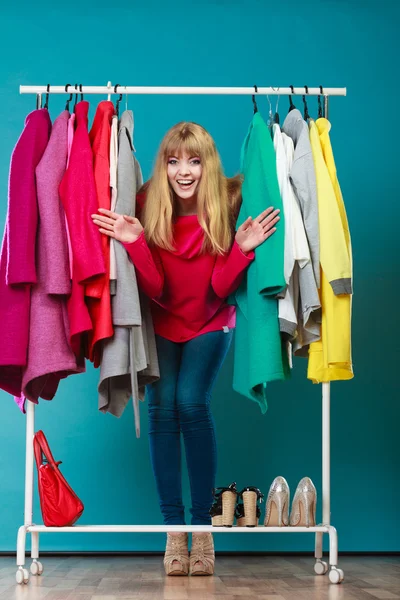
pixel 78 195
pixel 50 356
pixel 17 261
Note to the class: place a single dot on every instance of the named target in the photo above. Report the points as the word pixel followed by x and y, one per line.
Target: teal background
pixel 230 43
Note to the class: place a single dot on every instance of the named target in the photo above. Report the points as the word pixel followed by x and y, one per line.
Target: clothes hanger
pixel 291 105
pixel 254 100
pixel 270 115
pixel 70 97
pixel 118 101
pixel 46 104
pixel 320 113
pixel 306 113
pixel 276 115
pixel 76 95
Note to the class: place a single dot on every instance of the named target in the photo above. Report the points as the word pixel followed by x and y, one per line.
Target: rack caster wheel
pixel 36 567
pixel 22 576
pixel 320 567
pixel 336 575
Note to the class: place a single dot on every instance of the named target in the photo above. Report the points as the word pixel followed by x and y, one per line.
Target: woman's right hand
pixel 120 227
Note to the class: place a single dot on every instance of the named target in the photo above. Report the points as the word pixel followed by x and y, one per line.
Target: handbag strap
pixel 42 447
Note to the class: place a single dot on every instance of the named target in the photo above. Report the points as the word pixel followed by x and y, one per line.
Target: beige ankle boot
pixel 202 555
pixel 176 559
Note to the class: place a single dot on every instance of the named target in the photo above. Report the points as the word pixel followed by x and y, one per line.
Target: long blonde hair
pixel 218 197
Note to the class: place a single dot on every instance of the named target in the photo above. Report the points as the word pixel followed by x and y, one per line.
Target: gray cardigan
pixel 302 176
pixel 303 180
pixel 129 359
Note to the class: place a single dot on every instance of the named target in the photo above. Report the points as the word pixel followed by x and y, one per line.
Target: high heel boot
pixel 277 507
pixel 176 559
pixel 304 504
pixel 202 556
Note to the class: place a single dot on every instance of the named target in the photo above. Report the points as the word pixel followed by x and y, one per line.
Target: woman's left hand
pixel 254 232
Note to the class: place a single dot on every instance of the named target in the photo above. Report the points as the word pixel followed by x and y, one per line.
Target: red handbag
pixel 59 503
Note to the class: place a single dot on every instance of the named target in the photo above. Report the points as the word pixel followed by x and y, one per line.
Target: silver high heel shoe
pixel 304 504
pixel 277 507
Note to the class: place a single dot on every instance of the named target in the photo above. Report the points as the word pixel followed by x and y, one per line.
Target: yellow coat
pixel 330 358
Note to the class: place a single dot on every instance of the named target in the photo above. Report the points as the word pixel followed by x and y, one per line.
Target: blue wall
pixel 230 43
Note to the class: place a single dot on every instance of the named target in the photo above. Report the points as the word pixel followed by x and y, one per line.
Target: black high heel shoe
pixel 222 510
pixel 247 511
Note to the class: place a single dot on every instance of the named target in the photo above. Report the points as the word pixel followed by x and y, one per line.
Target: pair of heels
pixel 304 504
pixel 202 556
pixel 230 504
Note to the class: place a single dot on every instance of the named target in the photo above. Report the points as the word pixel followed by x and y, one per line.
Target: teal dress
pixel 260 356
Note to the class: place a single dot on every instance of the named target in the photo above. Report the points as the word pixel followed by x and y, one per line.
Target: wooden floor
pixel 241 578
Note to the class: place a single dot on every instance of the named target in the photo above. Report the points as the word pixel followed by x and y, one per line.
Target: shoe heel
pixel 221 511
pixel 304 504
pixel 249 512
pixel 250 509
pixel 308 503
pixel 228 508
pixel 277 507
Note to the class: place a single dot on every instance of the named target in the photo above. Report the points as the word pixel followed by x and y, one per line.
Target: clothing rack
pixel 321 567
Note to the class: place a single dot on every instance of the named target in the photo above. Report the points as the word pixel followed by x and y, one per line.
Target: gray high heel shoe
pixel 277 507
pixel 304 504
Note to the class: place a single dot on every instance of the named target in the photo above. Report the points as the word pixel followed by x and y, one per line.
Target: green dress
pixel 260 355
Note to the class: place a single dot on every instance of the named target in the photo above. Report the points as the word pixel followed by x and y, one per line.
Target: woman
pixel 188 260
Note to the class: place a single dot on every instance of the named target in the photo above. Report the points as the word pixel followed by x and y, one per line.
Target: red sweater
pixel 188 290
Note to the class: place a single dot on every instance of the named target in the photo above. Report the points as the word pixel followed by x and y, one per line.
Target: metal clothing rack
pixel 321 567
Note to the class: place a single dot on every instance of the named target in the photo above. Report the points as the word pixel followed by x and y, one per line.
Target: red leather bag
pixel 59 503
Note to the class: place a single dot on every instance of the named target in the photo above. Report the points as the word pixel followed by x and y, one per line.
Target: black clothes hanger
pixel 276 115
pixel 118 101
pixel 320 113
pixel 70 97
pixel 306 113
pixel 291 105
pixel 254 100
pixel 46 104
pixel 76 94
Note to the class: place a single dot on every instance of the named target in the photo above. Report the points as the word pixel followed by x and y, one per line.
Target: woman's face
pixel 184 175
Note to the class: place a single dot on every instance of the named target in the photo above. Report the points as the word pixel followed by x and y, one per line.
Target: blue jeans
pixel 180 402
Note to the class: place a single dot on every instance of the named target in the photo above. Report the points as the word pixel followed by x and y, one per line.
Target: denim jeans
pixel 180 402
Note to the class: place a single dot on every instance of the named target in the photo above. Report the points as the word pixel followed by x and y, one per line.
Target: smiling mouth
pixel 185 183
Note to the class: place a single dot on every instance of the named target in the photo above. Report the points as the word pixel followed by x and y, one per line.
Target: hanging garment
pixel 302 176
pixel 330 358
pixel 78 195
pixel 17 261
pixel 129 360
pixel 303 288
pixel 260 356
pixel 50 357
pixel 296 246
pixel 98 292
pixel 113 186
pixel 71 132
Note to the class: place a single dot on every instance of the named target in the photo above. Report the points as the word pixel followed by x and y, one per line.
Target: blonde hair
pixel 218 197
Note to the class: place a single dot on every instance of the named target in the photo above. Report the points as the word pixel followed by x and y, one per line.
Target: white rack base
pixel 320 567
